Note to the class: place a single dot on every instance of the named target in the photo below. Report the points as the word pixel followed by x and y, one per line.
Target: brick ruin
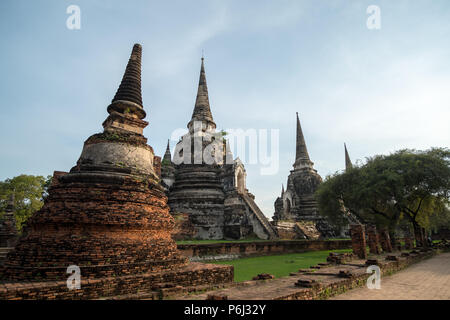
pixel 358 234
pixel 212 194
pixel 374 241
pixel 108 215
pixel 8 228
pixel 297 203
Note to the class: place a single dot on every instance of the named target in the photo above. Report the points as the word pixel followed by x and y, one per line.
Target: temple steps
pixel 260 216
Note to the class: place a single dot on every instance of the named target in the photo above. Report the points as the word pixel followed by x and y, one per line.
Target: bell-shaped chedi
pixel 109 214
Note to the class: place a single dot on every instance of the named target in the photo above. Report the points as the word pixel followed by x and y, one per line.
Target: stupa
pixel 206 185
pixel 108 216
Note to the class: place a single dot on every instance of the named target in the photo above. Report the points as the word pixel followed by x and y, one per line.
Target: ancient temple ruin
pixel 296 212
pixel 108 217
pixel 206 185
pixel 8 230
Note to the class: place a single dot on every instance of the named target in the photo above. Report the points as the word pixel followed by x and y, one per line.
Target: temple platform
pixel 152 285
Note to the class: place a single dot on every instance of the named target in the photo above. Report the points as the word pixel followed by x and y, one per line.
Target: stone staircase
pixel 3 252
pixel 260 216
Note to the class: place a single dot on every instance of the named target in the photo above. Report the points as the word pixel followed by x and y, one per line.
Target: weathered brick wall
pixel 387 267
pixel 358 234
pixel 195 274
pixel 107 225
pixel 374 242
pixel 258 248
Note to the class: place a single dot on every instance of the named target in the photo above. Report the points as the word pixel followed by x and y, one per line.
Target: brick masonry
pixel 194 274
pixel 409 244
pixel 233 250
pixel 358 234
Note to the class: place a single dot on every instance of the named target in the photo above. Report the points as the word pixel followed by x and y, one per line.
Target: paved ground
pixel 428 280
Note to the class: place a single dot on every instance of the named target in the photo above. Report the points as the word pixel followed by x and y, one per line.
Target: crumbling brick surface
pixel 358 234
pixel 374 242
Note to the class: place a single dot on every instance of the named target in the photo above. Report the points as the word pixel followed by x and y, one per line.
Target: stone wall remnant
pixel 358 234
pixel 374 242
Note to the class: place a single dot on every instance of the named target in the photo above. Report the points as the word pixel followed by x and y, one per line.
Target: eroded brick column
pixel 408 243
pixel 385 240
pixel 358 234
pixel 374 242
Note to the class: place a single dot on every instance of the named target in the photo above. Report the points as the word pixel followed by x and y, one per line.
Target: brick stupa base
pixel 108 216
pixel 192 274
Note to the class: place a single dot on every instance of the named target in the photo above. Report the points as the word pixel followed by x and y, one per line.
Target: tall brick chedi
pixel 108 216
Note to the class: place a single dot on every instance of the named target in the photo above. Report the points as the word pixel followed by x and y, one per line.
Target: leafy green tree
pixel 29 193
pixel 407 184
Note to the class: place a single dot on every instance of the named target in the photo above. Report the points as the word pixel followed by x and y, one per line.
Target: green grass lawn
pixel 279 266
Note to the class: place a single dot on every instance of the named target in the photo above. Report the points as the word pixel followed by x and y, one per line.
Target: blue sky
pixel 376 90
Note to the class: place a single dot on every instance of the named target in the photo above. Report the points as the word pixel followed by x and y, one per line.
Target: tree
pixel 407 184
pixel 29 193
pixel 440 221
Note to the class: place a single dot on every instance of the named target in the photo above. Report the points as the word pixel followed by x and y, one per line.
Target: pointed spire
pixel 282 189
pixel 301 155
pixel 167 155
pixel 128 98
pixel 348 162
pixel 202 110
